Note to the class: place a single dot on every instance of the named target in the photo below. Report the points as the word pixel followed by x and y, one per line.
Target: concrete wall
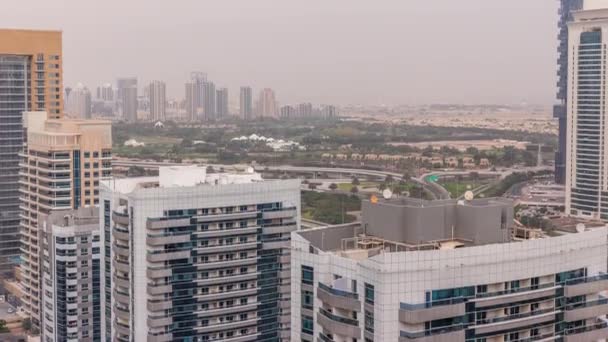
pixel 482 221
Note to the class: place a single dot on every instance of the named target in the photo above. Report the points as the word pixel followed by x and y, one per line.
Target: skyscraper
pixel 128 100
pixel 209 103
pixel 222 102
pixel 304 109
pixel 246 103
pixel 157 93
pixel 197 256
pixel 31 77
pixel 194 95
pixel 267 104
pixel 64 159
pixel 127 97
pixel 105 92
pixel 288 112
pixel 71 277
pixel 559 110
pixel 79 103
pixel 586 172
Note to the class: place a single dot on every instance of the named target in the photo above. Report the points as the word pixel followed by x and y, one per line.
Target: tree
pixel 355 181
pixel 474 175
pixel 27 324
pixel 382 186
pixel 354 190
pixel 333 186
pixel 312 186
pixel 3 328
pixel 389 179
pixel 136 171
pixel 407 177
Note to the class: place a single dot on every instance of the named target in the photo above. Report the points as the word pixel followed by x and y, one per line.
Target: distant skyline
pixel 340 51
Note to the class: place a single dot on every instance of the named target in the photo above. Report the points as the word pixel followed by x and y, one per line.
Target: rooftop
pixel 183 176
pixel 404 224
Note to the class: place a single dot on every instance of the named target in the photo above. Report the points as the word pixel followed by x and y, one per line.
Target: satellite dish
pixel 469 195
pixel 387 194
pixel 580 227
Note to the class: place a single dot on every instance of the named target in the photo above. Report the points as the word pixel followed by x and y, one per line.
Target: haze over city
pixel 343 52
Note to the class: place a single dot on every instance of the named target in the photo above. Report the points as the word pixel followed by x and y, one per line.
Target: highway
pixel 436 190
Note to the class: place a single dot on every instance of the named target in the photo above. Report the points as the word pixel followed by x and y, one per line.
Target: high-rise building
pixel 79 103
pixel 246 103
pixel 31 77
pixel 129 103
pixel 449 270
pixel 304 110
pixel 222 102
pixel 71 283
pixel 288 112
pixel 126 90
pixel 63 162
pixel 586 185
pixel 158 101
pixel 197 256
pixel 194 95
pixel 559 110
pixel 209 103
pixel 105 92
pixel 329 111
pixel 267 104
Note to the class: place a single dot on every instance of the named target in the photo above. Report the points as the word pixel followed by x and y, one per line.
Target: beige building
pixel 62 165
pixel 30 79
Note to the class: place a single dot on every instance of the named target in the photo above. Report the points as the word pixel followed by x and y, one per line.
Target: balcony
pixel 584 310
pixel 280 213
pixel 517 321
pixel 587 285
pixel 588 333
pixel 279 229
pixel 515 295
pixel 226 232
pixel 420 313
pixel 167 223
pixel 157 240
pixel 120 218
pixel 227 216
pixel 338 298
pixel 121 266
pixel 338 325
pixel 443 334
pixel 166 256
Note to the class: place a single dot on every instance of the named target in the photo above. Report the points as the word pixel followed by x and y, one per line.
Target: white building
pixel 586 172
pixel 198 257
pixel 79 103
pixel 447 271
pixel 70 247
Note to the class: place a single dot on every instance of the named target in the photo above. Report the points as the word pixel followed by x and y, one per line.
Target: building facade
pixel 192 256
pixel 127 98
pixel 194 95
pixel 560 109
pixel 447 271
pixel 209 101
pixel 31 78
pixel 63 162
pixel 222 103
pixel 246 103
pixel 158 100
pixel 586 173
pixel 267 104
pixel 79 103
pixel 71 275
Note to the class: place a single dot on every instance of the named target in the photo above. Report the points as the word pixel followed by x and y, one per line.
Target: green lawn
pixel 457 189
pixel 363 185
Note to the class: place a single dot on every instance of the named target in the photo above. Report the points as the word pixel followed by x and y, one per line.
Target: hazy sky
pixel 323 51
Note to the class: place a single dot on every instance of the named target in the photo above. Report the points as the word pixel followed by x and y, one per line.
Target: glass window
pixel 307 275
pixel 369 293
pixel 307 325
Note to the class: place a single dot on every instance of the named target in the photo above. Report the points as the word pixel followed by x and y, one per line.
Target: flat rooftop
pixel 183 176
pixel 405 224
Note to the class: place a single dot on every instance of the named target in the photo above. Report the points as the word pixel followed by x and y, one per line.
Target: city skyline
pixel 326 59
